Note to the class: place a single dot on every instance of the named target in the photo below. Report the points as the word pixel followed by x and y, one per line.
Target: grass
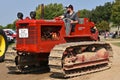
pixel 116 44
pixel 110 39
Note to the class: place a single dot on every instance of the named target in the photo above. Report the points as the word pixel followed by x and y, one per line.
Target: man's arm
pixel 75 21
pixel 62 16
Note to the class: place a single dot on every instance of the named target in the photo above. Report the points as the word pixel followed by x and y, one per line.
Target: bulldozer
pixel 43 45
pixel 3 45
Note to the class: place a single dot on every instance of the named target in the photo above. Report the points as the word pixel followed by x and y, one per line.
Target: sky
pixel 10 8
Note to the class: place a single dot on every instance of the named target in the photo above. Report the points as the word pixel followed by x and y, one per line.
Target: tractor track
pixel 56 57
pixel 10 59
pixel 10 64
pixel 78 72
pixel 55 62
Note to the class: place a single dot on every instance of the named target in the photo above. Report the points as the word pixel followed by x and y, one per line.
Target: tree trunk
pixel 118 31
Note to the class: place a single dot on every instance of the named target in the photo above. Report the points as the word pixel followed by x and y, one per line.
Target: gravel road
pixel 110 74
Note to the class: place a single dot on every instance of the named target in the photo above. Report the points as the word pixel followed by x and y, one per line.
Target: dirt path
pixel 110 74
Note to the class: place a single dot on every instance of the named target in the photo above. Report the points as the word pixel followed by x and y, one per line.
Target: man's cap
pixel 70 6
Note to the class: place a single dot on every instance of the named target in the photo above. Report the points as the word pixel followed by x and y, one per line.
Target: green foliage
pixel 10 26
pixel 116 44
pixel 84 13
pixel 38 12
pixel 50 11
pixel 115 17
pixel 102 13
pixel 103 25
pixel 1 26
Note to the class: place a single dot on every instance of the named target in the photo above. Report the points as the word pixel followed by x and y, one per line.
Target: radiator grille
pixel 32 33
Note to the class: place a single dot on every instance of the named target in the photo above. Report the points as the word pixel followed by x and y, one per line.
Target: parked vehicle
pixel 10 39
pixel 11 35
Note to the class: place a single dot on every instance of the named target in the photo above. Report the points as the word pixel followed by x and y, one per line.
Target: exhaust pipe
pixel 42 11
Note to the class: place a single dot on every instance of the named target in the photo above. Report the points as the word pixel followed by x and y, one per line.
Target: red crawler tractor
pixel 40 42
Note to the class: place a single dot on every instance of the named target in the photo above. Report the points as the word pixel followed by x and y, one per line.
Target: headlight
pixel 32 14
pixel 20 15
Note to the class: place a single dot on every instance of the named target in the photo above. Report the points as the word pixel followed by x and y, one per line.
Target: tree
pixel 103 26
pixel 1 26
pixel 101 13
pixel 50 11
pixel 10 26
pixel 84 13
pixel 96 14
pixel 14 25
pixel 107 11
pixel 115 17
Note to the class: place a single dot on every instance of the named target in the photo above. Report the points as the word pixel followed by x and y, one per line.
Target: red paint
pixel 35 44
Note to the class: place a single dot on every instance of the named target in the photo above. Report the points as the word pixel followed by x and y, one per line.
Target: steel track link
pixel 55 59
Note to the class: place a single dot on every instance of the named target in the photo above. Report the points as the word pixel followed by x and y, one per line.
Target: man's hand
pixel 73 22
pixel 61 17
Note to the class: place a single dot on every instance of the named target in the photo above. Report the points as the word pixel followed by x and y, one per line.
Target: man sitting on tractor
pixel 70 18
